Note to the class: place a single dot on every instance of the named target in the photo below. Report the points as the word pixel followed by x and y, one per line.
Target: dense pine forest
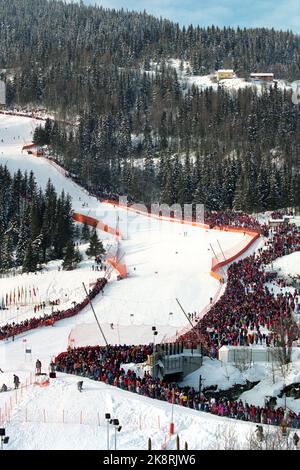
pixel 143 133
pixel 35 226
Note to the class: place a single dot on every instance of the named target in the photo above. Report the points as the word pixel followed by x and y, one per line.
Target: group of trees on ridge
pixel 214 148
pixel 144 134
pixel 37 226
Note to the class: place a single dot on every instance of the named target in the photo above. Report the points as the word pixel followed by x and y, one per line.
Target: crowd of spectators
pixel 13 329
pixel 39 307
pixel 105 364
pixel 249 311
pixel 231 218
pixel 279 214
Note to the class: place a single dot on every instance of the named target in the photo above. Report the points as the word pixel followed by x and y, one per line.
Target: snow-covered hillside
pixel 187 79
pixel 163 264
pixel 59 417
pixel 14 133
pixel 288 265
pixel 48 286
pixel 271 381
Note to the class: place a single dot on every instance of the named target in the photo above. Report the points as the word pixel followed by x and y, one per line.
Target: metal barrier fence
pixel 79 417
pixel 15 398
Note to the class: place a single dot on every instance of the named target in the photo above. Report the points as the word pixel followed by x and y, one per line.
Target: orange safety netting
pixel 120 267
pixel 82 218
pixel 28 146
pixel 43 383
pixel 216 264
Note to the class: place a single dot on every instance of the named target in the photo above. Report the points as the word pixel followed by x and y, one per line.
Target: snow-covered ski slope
pixel 163 264
pixel 50 285
pixel 16 131
pixel 59 417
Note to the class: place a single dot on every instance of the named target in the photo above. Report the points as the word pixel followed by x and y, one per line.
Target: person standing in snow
pixel 16 381
pixel 79 385
pixel 38 366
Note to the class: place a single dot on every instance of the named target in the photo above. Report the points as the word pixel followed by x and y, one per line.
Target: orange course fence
pixel 11 113
pixel 28 146
pixel 216 264
pixel 85 219
pixel 120 267
pixel 34 116
pixel 91 221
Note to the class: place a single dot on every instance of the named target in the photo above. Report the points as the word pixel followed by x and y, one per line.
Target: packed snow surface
pixel 288 265
pixel 59 417
pixel 165 261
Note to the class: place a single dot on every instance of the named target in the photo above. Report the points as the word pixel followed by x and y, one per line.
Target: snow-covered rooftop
pixel 262 74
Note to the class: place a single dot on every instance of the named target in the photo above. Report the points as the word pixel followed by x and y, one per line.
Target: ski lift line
pixel 217 259
pixel 190 322
pixel 163 339
pixel 186 316
pixel 221 250
pixel 90 302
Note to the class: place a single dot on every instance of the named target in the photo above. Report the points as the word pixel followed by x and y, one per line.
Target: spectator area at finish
pixel 247 313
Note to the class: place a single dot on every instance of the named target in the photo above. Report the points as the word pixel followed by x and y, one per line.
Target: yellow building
pixel 223 74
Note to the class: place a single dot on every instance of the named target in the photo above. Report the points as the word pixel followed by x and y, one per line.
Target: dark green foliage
pixel 72 256
pixel 54 45
pixel 148 135
pixel 96 247
pixel 85 232
pixel 35 227
pixel 32 256
pixel 206 148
